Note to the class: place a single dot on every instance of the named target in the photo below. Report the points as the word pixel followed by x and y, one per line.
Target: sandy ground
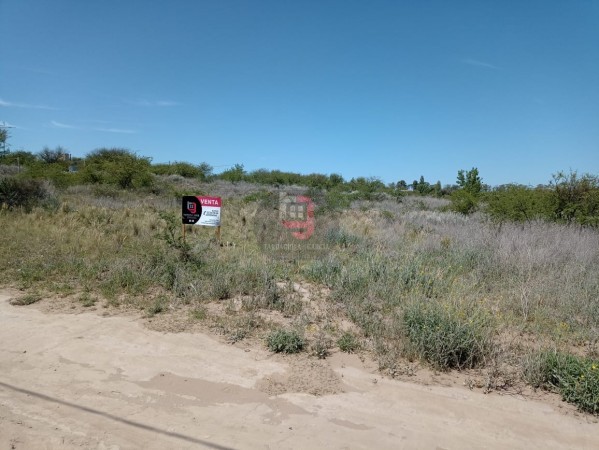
pixel 87 381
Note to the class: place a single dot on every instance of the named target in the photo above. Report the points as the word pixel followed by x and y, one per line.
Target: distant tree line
pixel 568 197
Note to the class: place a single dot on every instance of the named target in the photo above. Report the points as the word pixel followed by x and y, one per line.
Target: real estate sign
pixel 201 210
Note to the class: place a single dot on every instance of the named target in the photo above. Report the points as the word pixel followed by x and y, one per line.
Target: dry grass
pixel 388 266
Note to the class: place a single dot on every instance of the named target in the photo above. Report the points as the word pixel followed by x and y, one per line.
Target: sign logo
pixel 191 210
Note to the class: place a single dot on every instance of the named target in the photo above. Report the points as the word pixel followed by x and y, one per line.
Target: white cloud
pixel 474 62
pixel 57 124
pixel 115 130
pixel 63 125
pixel 23 105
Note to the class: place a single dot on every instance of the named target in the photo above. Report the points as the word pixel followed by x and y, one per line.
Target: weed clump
pixel 445 336
pixel 285 341
pixel 28 299
pixel 158 305
pixel 87 300
pixel 321 347
pixel 576 378
pixel 348 342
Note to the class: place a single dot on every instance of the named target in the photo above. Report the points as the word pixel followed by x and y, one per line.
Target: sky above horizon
pixel 389 89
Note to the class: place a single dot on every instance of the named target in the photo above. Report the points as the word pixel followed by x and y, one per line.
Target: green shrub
pixel 26 194
pixel 576 197
pixel 576 378
pixel 446 336
pixel 463 201
pixel 184 169
pixel 118 167
pixel 348 342
pixel 520 203
pixel 285 341
pixel 336 200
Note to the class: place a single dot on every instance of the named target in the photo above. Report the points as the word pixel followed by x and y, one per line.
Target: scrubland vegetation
pixel 501 281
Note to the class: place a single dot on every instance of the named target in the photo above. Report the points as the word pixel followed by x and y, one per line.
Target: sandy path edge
pixel 85 381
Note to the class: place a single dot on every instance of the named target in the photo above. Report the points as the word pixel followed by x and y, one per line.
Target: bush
pixel 57 173
pixel 284 341
pixel 336 200
pixel 118 167
pixel 463 201
pixel 570 198
pixel 519 203
pixel 577 198
pixel 575 378
pixel 19 158
pixel 445 336
pixel 20 193
pixel 321 347
pixel 186 170
pixel 348 342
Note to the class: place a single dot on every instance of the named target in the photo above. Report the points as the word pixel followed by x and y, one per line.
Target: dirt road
pixel 87 381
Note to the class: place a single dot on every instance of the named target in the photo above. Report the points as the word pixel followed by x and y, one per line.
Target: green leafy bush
pixel 569 198
pixel 118 167
pixel 576 378
pixel 202 171
pixel 445 336
pixel 520 203
pixel 463 201
pixel 576 197
pixel 286 341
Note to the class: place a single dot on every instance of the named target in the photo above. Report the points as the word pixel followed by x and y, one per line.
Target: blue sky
pixel 392 89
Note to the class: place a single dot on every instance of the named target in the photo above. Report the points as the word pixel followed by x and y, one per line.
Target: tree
pixel 205 171
pixel 465 199
pixel 470 181
pixel 401 184
pixel 422 186
pixel 117 166
pixel 576 197
pixel 234 174
pixel 52 156
pixel 335 179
